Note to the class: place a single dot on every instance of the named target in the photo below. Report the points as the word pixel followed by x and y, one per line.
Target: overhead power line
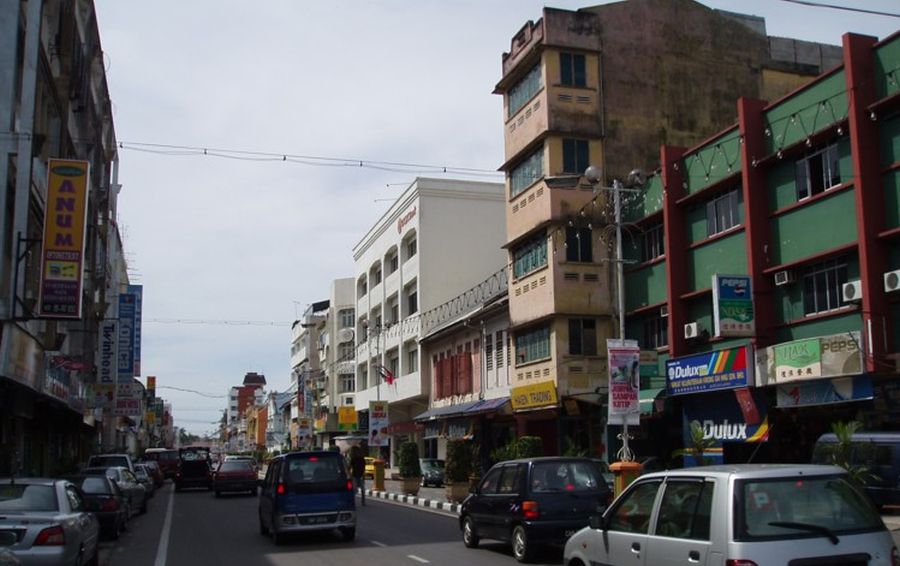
pixel 846 8
pixel 217 322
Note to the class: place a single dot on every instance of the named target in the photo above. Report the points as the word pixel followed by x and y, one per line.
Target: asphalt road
pixel 203 530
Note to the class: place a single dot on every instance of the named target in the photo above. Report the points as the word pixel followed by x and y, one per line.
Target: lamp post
pixel 594 176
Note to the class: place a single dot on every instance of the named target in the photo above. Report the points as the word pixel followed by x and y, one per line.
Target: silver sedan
pixel 44 522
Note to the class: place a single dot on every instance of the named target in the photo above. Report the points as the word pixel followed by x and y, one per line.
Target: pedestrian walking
pixel 358 471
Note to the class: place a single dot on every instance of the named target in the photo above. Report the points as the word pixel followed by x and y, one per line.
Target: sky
pixel 231 247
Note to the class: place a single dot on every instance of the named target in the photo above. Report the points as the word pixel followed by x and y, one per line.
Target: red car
pixel 235 475
pixel 167 458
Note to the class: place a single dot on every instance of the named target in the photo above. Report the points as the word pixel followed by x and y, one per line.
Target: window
pixel 346 317
pixel 499 349
pixel 376 275
pixel 583 337
pixel 818 172
pixel 348 383
pixel 411 247
pixel 572 69
pixel 412 359
pixel 361 287
pixel 533 345
pixel 656 332
pixel 348 401
pixel 685 510
pixel 393 312
pixel 412 299
pixel 346 351
pixel 393 263
pixel 526 173
pixel 488 354
pixel 653 243
pixel 632 514
pixel 576 156
pixel 524 90
pixel 823 286
pixel 579 246
pixel 722 213
pixel 530 256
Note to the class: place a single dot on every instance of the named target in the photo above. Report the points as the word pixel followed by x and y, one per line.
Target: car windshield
pixel 94 485
pixel 801 507
pixel 566 476
pixel 236 466
pixel 20 497
pixel 307 471
pixel 432 466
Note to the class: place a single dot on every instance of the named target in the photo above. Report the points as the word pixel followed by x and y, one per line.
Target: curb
pixel 416 501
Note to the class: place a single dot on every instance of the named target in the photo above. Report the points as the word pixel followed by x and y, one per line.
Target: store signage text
pixel 406 219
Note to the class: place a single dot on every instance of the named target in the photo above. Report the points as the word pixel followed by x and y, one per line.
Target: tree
pixel 848 454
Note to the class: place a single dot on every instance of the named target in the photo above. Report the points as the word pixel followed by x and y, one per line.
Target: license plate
pixel 316 520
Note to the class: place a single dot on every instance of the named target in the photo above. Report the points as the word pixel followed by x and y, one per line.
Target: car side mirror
pixel 597 522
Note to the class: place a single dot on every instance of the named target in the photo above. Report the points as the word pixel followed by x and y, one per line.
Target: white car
pixel 737 515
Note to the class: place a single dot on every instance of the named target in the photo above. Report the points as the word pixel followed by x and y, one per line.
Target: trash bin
pixel 379 474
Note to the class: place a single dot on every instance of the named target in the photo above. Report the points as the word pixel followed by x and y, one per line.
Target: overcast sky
pixel 225 239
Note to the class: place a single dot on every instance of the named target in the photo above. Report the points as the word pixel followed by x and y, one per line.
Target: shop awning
pixel 446 411
pixel 648 397
pixel 487 405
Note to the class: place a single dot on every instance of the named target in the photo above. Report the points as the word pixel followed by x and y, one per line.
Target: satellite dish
pixel 345 335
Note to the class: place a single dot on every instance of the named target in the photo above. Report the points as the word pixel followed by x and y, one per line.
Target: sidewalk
pixel 433 498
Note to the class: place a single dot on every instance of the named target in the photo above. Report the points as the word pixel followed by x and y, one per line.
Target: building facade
pixel 766 276
pixel 412 261
pixel 307 375
pixel 580 89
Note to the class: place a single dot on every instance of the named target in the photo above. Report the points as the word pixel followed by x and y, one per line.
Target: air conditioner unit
pixel 783 277
pixel 691 330
pixel 664 311
pixel 852 292
pixel 345 335
pixel 892 281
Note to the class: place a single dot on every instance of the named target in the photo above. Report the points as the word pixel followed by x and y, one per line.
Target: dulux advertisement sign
pixel 710 371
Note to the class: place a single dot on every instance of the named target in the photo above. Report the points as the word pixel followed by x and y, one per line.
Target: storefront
pixel 537 413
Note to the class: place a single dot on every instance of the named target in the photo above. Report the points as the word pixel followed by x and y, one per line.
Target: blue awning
pixel 487 405
pixel 446 411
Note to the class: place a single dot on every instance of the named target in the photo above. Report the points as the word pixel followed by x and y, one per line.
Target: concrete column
pixel 676 246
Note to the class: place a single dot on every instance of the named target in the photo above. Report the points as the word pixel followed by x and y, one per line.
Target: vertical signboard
pixel 62 260
pixel 733 305
pixel 378 423
pixel 107 369
pixel 138 292
pixel 347 418
pixel 624 382
pixel 125 371
pixel 151 387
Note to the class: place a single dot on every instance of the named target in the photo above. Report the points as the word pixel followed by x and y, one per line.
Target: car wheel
pixel 349 533
pixel 470 539
pixel 522 550
pixel 277 537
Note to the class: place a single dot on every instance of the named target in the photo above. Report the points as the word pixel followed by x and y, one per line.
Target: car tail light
pixel 895 557
pixel 109 505
pixel 349 485
pixel 530 509
pixel 738 562
pixel 280 489
pixel 51 536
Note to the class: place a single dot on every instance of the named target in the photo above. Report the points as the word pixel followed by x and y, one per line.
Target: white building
pixel 337 359
pixel 439 239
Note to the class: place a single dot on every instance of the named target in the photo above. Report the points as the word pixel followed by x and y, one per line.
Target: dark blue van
pixel 879 452
pixel 307 491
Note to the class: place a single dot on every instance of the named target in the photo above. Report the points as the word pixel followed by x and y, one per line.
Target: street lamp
pixel 594 176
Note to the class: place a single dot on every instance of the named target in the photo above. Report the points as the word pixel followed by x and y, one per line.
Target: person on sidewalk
pixel 358 471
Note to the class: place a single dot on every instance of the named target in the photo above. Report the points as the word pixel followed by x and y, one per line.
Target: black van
pixel 877 451
pixel 307 491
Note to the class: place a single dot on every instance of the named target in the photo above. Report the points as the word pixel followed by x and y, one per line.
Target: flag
pixel 386 374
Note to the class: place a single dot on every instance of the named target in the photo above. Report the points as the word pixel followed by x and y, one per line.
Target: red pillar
pixel 676 246
pixel 756 218
pixel 869 194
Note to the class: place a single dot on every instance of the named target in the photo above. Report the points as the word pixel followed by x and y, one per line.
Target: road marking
pixel 163 549
pixel 376 543
pixel 417 558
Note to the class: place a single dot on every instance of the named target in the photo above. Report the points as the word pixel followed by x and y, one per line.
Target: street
pixel 205 530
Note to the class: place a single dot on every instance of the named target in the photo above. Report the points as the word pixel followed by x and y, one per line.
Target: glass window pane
pixel 802 177
pixel 684 512
pixel 565 68
pixel 632 514
pixel 579 75
pixel 575 337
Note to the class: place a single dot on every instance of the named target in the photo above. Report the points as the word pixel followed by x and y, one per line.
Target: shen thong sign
pixel 711 371
pixel 733 305
pixel 65 223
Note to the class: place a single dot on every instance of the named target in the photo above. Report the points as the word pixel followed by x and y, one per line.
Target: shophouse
pixel 439 238
pixel 307 375
pixel 605 86
pixel 767 262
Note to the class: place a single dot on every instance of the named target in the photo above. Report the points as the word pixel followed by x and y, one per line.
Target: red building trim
pixel 676 246
pixel 859 62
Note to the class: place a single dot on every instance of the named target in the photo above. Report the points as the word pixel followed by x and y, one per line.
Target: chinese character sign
pixel 624 381
pixel 733 305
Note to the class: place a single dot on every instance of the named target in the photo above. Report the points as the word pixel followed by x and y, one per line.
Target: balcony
pixel 561 287
pixel 551 198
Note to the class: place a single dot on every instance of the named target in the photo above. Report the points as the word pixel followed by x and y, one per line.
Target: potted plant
pixel 457 467
pixel 410 471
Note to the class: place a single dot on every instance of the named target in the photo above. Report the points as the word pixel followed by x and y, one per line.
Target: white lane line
pixel 163 549
pixel 376 543
pixel 417 558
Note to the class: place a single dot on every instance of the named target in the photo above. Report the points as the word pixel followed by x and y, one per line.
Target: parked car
pixel 879 452
pixel 432 472
pixel 194 469
pixel 533 502
pixel 749 514
pixel 142 473
pixel 167 458
pixel 105 500
pixel 48 521
pixel 108 460
pixel 134 491
pixel 307 491
pixel 155 472
pixel 235 475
